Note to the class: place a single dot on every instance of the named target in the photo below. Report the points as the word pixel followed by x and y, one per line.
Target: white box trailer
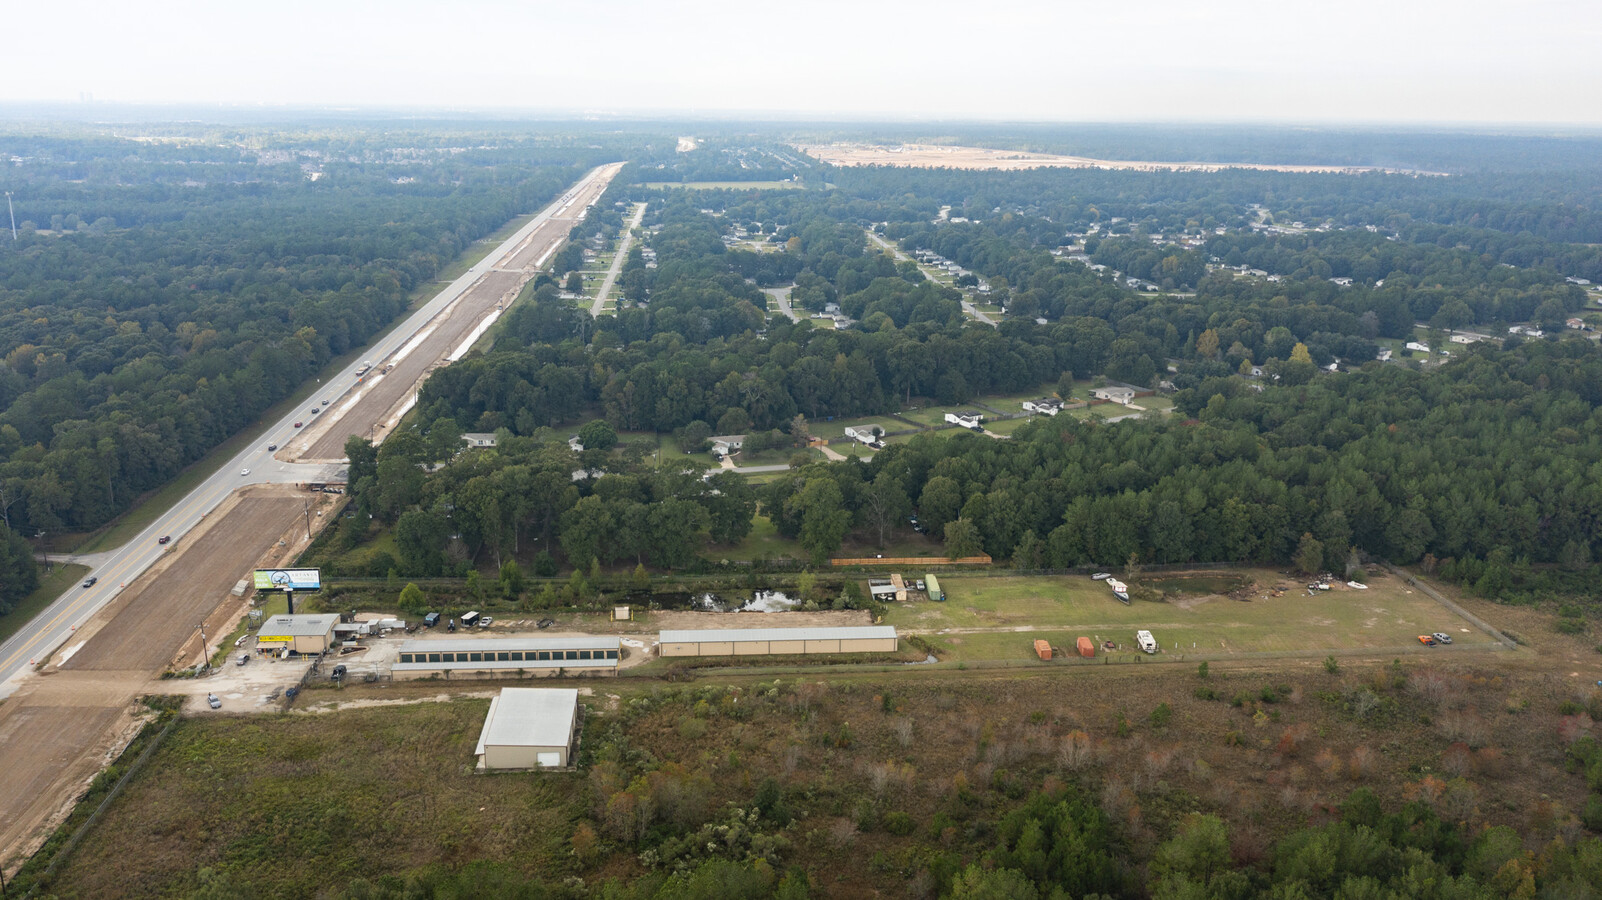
pixel 1146 642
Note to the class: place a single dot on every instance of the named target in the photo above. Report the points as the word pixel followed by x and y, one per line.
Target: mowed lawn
pixel 999 618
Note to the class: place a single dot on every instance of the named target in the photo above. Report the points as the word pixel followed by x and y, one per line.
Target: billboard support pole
pixel 289 597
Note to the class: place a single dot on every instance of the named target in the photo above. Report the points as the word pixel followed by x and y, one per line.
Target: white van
pixel 1146 642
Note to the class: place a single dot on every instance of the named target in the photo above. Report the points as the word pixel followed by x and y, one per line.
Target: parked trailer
pixel 1087 647
pixel 1043 649
pixel 1146 642
pixel 935 593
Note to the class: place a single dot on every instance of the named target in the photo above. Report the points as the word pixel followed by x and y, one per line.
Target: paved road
pixel 782 296
pixel 120 567
pixel 443 330
pixel 617 260
pixel 968 309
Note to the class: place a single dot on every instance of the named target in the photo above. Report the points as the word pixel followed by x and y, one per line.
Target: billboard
pixel 288 579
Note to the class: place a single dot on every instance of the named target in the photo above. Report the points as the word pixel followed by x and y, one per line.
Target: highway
pixel 521 254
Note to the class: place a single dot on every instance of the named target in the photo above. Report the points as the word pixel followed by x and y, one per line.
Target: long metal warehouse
pixel 775 641
pixel 506 656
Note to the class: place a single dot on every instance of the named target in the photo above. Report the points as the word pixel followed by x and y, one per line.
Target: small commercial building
pixel 301 634
pixel 485 657
pixel 779 641
pixel 529 728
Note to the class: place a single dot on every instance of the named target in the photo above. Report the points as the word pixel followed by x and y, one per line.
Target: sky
pixel 1358 61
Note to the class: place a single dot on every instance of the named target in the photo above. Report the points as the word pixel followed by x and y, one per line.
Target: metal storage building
pixel 775 641
pixel 302 634
pixel 507 656
pixel 528 728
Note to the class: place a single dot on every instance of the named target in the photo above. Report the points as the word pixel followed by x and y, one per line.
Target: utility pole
pixel 305 507
pixel 205 657
pixel 13 212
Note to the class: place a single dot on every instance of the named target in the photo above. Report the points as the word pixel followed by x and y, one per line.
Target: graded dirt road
pixel 382 397
pixel 160 611
pixel 929 156
pixel 66 722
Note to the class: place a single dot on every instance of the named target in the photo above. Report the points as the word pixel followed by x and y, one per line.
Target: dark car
pixel 339 673
pixel 90 581
pixel 430 620
pixel 546 623
pixel 164 539
pixel 315 410
pixel 271 447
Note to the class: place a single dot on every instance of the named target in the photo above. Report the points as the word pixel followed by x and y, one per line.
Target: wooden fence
pixel 980 560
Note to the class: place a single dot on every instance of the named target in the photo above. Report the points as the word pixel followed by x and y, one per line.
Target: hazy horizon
pixel 1469 64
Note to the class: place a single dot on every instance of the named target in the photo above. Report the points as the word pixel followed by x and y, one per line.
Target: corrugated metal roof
pixel 845 633
pixel 299 626
pixel 451 645
pixel 530 717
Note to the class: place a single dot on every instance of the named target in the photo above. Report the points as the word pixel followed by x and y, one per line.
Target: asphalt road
pixel 617 260
pixel 357 413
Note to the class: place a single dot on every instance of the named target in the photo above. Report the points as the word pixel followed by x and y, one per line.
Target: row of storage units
pixel 779 641
pixel 489 656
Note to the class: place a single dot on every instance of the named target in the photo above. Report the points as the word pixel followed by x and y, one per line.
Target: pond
pixel 732 601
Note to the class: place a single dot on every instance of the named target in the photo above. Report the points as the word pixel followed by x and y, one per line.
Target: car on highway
pixel 90 581
pixel 164 539
pixel 298 424
pixel 271 447
pixel 316 409
pixel 244 472
pixel 213 702
pixel 1442 637
pixel 325 402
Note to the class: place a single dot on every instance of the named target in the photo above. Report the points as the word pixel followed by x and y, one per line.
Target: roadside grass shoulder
pixel 51 586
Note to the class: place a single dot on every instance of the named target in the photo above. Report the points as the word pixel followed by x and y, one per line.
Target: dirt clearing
pixel 930 156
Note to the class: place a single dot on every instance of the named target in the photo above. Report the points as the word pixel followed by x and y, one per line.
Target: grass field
pixel 50 587
pixel 999 618
pixel 1005 426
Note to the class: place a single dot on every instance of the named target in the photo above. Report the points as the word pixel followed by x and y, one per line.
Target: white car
pixel 244 472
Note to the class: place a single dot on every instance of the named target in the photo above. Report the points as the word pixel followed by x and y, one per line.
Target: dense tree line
pixel 19 575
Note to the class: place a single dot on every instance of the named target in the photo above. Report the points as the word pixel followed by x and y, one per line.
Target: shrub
pixel 898 823
pixel 1204 692
pixel 1331 665
pixel 1570 626
pixel 1201 670
pixel 1161 716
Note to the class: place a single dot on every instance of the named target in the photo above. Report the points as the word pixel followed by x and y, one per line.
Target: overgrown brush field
pixel 873 785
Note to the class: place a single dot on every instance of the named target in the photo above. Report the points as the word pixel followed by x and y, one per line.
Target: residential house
pixel 574 444
pixel 1417 347
pixel 1045 406
pixel 965 419
pixel 865 434
pixel 479 439
pixel 1117 394
pixel 727 444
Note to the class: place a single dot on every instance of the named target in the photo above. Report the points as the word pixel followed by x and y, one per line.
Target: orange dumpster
pixel 1043 649
pixel 1087 647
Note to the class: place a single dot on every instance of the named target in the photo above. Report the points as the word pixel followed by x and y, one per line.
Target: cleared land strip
pixel 930 156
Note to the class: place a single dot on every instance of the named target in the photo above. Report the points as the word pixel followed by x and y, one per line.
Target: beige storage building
pixel 302 634
pixel 778 641
pixel 528 728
